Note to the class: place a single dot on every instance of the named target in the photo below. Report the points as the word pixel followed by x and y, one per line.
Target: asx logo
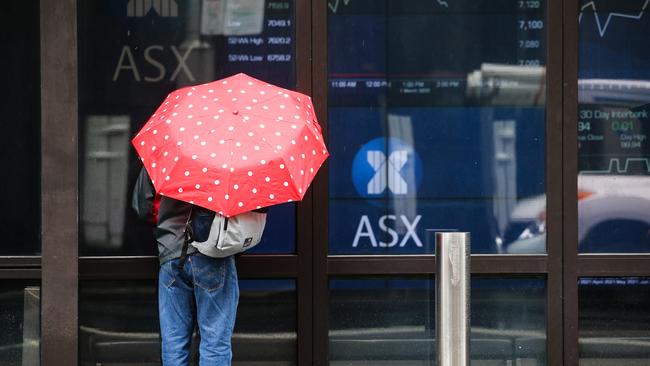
pixel 140 8
pixel 386 165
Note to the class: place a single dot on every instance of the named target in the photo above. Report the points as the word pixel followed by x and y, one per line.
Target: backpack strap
pixel 186 242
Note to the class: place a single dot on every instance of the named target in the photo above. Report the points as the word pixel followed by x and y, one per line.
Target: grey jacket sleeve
pixel 143 195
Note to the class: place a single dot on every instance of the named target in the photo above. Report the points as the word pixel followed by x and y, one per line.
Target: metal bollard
pixel 453 298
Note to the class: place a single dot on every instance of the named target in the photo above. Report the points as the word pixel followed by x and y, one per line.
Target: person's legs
pixel 217 296
pixel 177 313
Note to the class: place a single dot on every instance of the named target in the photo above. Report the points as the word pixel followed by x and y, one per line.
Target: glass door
pixel 438 119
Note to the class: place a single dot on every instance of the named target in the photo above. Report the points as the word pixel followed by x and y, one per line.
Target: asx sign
pixel 127 64
pixel 150 63
pixel 384 168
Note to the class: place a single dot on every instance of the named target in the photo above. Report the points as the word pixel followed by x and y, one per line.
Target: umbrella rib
pixel 171 170
pixel 259 100
pixel 228 179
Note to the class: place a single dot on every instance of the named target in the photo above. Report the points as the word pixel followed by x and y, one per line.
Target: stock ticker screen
pixel 614 86
pixel 436 121
pixel 613 127
pixel 417 52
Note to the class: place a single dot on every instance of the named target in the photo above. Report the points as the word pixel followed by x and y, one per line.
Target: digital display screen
pixel 614 87
pixel 613 127
pixel 436 121
pixel 421 52
pixel 150 48
pixel 132 53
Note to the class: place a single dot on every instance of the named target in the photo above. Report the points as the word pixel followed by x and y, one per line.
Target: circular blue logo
pixel 386 166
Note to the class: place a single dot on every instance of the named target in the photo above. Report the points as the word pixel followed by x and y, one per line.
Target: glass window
pixel 118 323
pixel 614 321
pixel 266 329
pixel 388 321
pixel 20 151
pixel 20 311
pixel 613 126
pixel 432 129
pixel 131 55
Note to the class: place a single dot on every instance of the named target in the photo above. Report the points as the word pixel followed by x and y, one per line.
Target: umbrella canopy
pixel 232 145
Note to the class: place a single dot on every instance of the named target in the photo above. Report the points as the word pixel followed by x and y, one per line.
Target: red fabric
pixel 155 208
pixel 232 145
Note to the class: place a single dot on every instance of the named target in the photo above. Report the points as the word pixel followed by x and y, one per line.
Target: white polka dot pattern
pixel 265 146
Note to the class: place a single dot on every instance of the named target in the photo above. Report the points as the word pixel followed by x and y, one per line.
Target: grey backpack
pixel 232 235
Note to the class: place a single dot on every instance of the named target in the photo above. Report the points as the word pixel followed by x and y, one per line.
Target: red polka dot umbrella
pixel 232 145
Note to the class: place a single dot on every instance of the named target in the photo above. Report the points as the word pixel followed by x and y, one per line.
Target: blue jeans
pixel 204 292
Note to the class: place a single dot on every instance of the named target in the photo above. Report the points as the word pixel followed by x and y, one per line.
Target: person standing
pixel 194 290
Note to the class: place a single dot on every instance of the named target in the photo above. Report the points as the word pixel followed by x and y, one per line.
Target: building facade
pixel 524 123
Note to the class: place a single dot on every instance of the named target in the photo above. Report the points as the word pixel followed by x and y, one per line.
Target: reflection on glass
pixel 20 150
pixel 613 126
pixel 436 129
pixel 118 324
pixel 131 55
pixel 266 329
pixel 390 321
pixel 614 321
pixel 20 310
